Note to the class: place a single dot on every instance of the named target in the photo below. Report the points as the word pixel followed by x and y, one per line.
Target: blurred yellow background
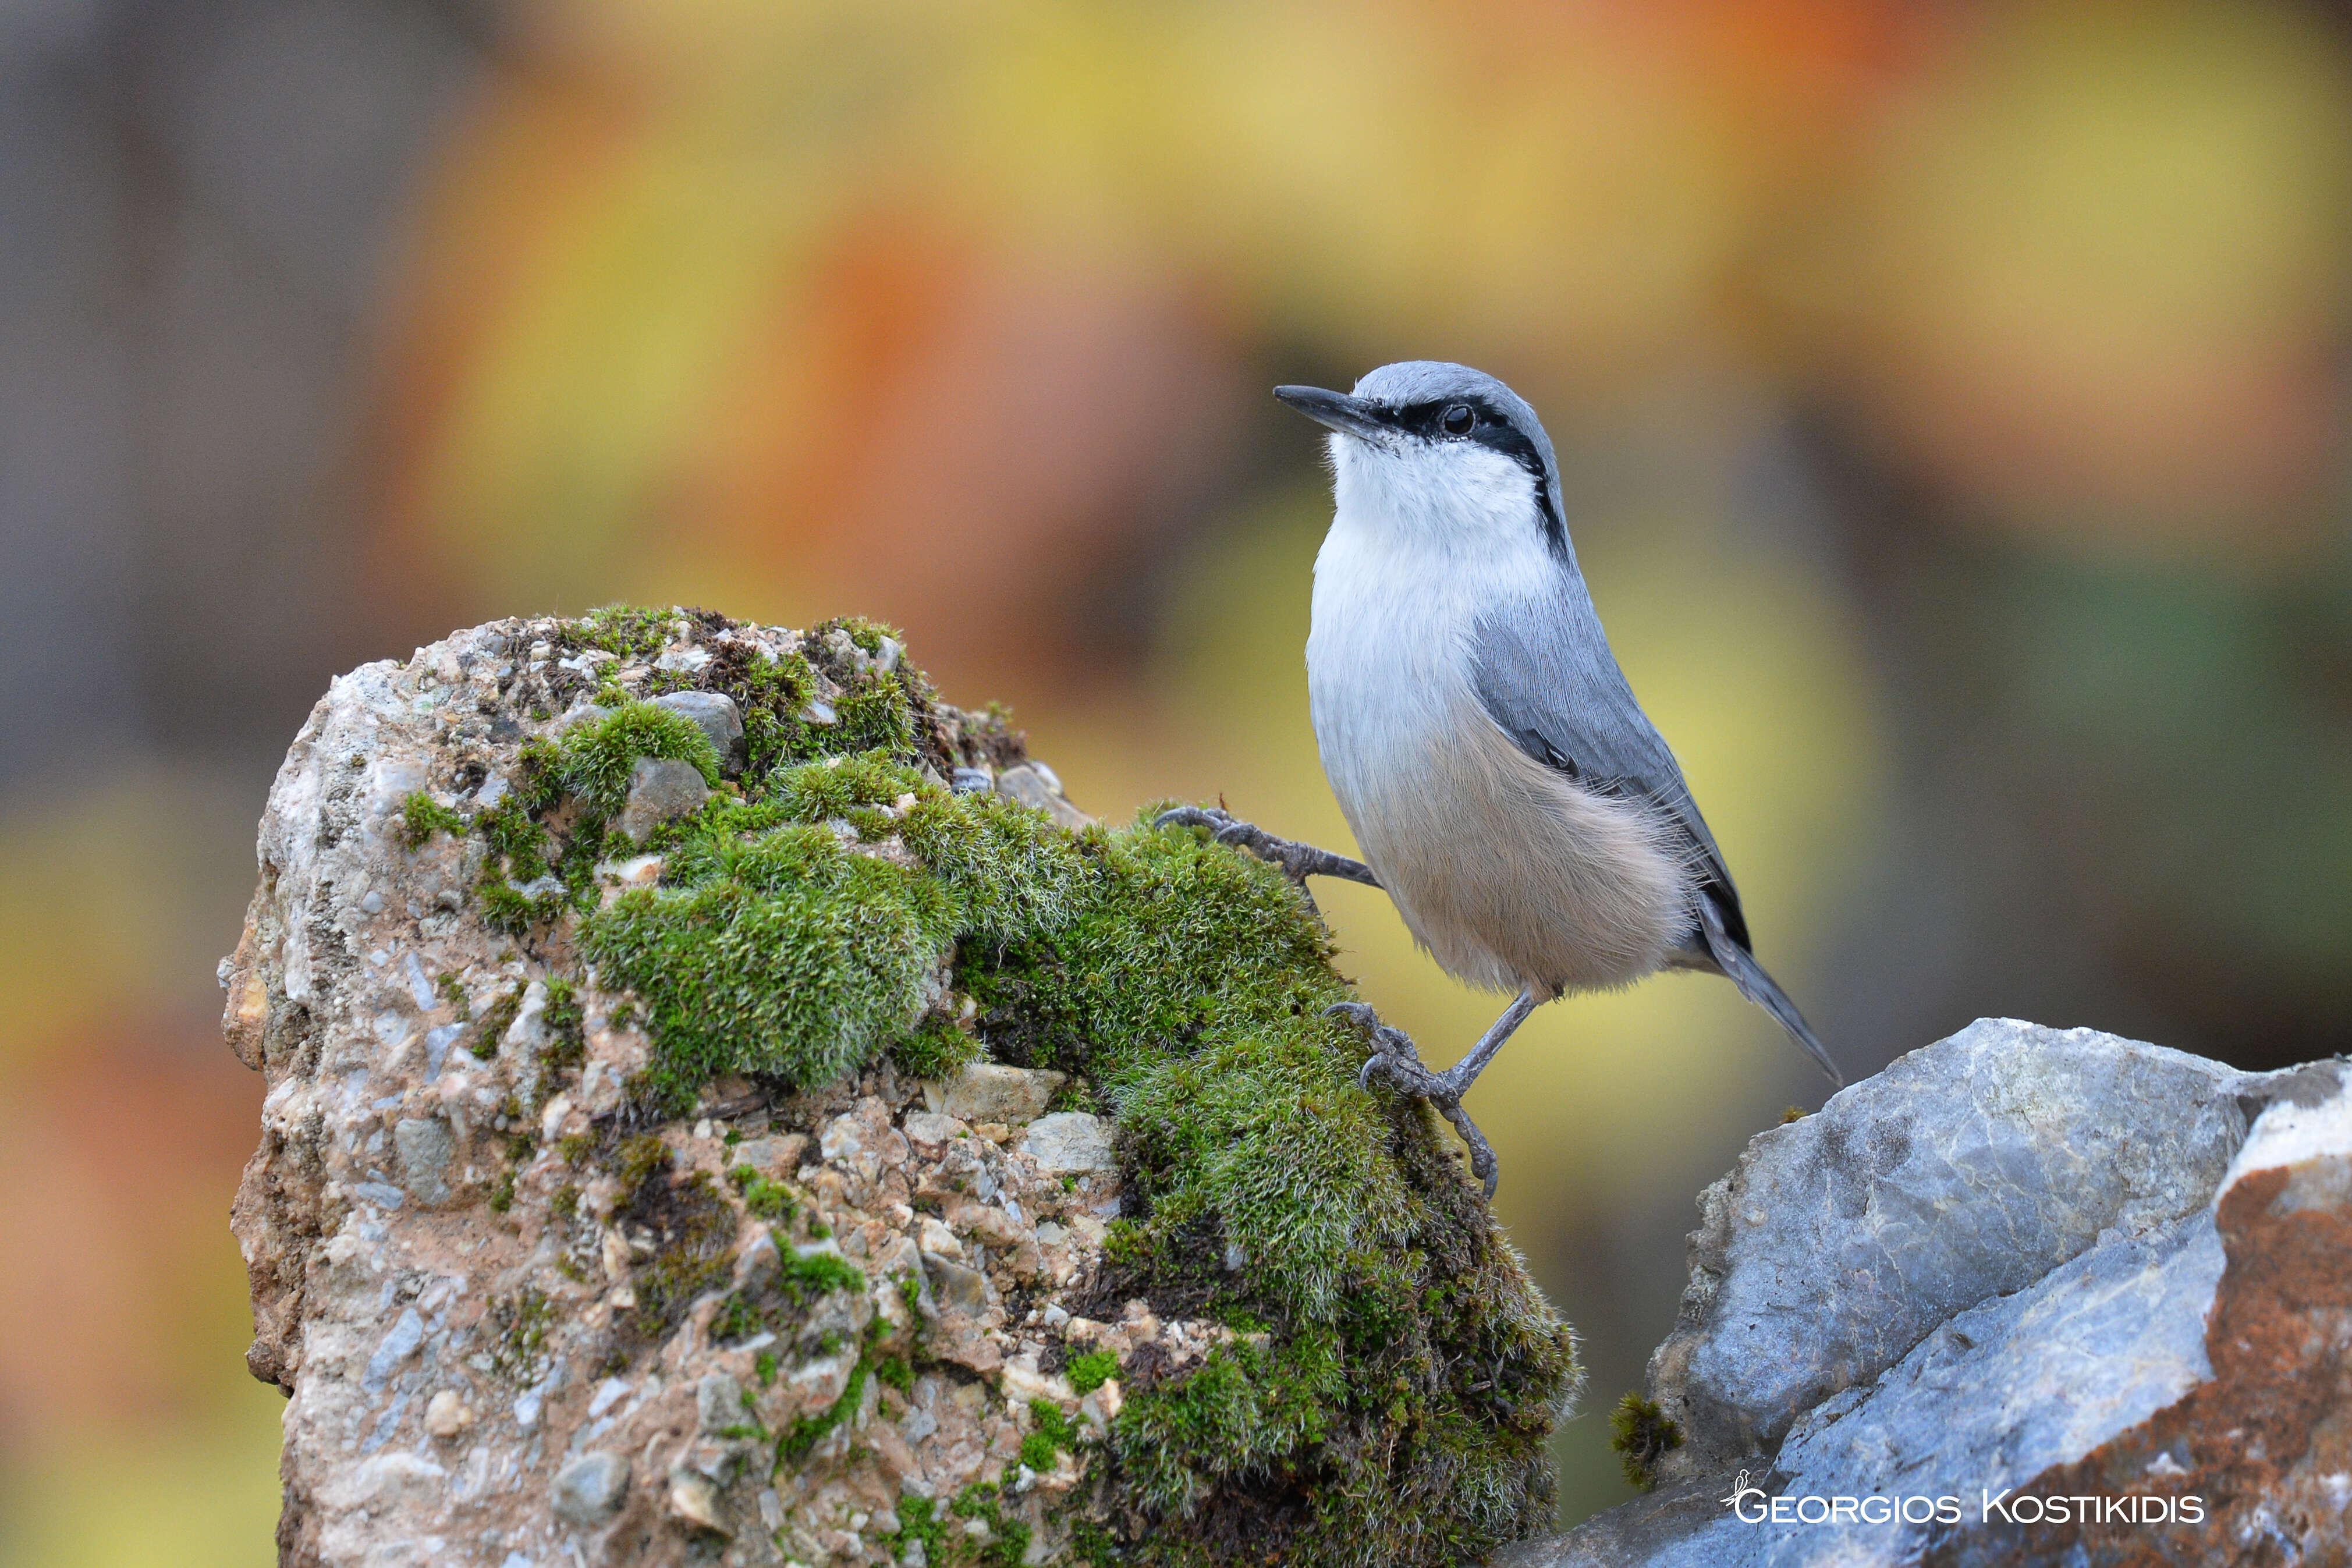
pixel 1951 402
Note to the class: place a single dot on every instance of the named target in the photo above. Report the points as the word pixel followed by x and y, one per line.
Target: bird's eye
pixel 1458 419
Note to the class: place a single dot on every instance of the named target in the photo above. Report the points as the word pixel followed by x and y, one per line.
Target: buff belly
pixel 1508 872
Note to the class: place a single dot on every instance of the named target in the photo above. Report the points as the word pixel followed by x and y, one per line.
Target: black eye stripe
pixel 1494 430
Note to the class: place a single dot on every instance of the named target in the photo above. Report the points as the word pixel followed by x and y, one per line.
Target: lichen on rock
pixel 727 1104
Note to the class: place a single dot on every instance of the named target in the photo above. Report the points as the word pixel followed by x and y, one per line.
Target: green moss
pixel 764 1367
pixel 807 1431
pixel 896 1372
pixel 693 1228
pixel 864 631
pixel 1050 1432
pixel 421 816
pixel 538 777
pixel 1008 1538
pixel 565 1202
pixel 593 761
pixel 497 1019
pixel 806 1279
pixel 1393 1376
pixel 771 695
pixel 517 843
pixel 935 1048
pixel 1089 1371
pixel 919 1525
pixel 630 631
pixel 565 1019
pixel 518 1326
pixel 453 991
pixel 1641 1435
pixel 842 940
pixel 1093 1543
pixel 779 1303
pixel 763 1198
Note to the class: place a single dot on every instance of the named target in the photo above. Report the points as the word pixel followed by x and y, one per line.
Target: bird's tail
pixel 1739 966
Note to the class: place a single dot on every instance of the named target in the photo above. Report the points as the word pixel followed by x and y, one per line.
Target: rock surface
pixel 528 1311
pixel 447 1305
pixel 2053 1265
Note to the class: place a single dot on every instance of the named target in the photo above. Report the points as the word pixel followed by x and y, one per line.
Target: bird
pixel 1506 788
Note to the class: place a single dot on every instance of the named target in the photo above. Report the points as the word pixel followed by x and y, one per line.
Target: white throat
pixel 1424 541
pixel 1453 500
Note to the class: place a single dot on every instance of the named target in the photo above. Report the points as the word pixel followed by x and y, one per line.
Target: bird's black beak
pixel 1349 415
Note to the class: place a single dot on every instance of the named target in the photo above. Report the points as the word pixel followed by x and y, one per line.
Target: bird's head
pixel 1440 451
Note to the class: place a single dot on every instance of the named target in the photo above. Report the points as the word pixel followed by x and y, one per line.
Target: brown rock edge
pixel 2266 1445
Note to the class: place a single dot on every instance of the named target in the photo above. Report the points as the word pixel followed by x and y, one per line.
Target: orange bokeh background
pixel 1950 399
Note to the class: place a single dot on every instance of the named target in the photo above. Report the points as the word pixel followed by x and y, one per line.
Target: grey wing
pixel 1545 674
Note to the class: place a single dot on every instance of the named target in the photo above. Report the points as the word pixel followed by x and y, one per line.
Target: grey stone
pixel 529 1030
pixel 1069 1142
pixel 1986 1402
pixel 396 1347
pixel 985 1092
pixel 581 713
pixel 2023 1382
pixel 589 1492
pixel 718 1401
pixel 694 1502
pixel 1905 1196
pixel 1033 783
pixel 971 781
pixel 660 788
pixel 1648 1530
pixel 425 1147
pixel 1966 1170
pixel 758 1262
pixel 957 1286
pixel 720 720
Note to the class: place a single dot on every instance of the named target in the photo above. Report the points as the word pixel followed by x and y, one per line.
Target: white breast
pixel 1505 870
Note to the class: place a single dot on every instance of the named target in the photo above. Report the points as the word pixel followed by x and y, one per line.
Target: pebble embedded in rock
pixel 719 1402
pixel 660 788
pixel 425 1147
pixel 986 1091
pixel 957 1287
pixel 1033 784
pixel 693 1500
pixel 447 1414
pixel 589 1490
pixel 1070 1142
pixel 930 1133
pixel 719 719
pixel 938 1239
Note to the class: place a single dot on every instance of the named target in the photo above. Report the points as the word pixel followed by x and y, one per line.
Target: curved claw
pixel 1394 1057
pixel 1297 862
pixel 1482 1153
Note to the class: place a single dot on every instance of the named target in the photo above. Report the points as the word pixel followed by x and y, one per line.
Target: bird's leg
pixel 1395 1057
pixel 1298 861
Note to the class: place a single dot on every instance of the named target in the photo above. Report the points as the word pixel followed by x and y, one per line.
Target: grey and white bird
pixel 1506 788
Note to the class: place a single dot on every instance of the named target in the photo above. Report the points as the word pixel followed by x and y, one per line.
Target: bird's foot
pixel 1298 861
pixel 1396 1058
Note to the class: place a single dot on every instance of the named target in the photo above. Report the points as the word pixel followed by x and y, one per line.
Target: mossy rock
pixel 1393 1376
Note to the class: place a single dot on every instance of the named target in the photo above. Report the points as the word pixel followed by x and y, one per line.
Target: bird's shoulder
pixel 1542 669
